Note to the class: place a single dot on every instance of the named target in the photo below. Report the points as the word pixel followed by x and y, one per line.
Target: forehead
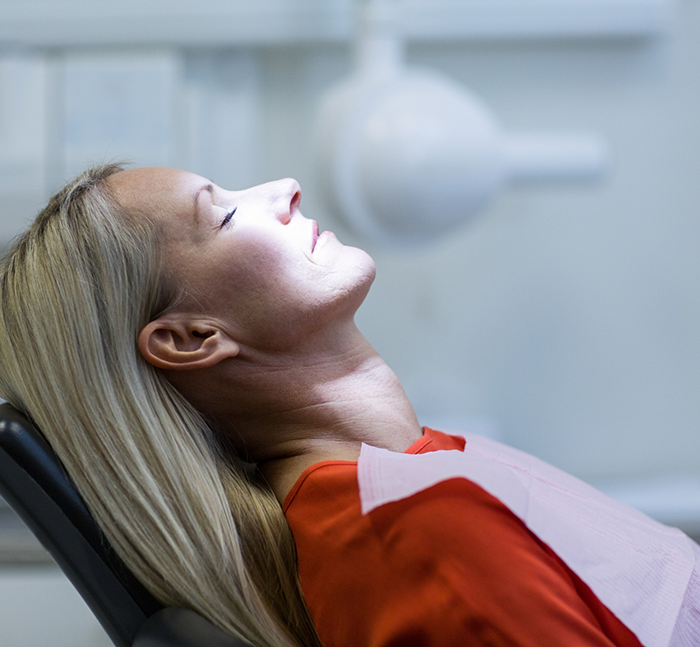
pixel 158 192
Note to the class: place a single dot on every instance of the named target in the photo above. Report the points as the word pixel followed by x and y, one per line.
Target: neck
pixel 289 411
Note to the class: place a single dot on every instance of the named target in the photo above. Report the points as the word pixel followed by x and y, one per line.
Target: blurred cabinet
pixel 65 110
pixel 118 106
pixel 23 86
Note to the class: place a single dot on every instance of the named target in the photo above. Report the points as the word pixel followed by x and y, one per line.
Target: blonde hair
pixel 197 531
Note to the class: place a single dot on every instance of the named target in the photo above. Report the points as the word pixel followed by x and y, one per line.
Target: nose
pixel 287 199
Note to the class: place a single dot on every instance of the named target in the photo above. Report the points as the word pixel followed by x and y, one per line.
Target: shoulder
pixel 446 565
pixel 431 558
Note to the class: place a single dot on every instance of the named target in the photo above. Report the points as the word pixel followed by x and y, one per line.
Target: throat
pixel 289 416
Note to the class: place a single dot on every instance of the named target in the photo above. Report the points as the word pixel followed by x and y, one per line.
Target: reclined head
pixel 76 291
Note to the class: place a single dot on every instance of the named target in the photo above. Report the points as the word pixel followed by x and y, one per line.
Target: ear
pixel 177 343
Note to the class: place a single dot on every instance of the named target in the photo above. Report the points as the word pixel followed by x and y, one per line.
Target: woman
pixel 197 528
pixel 194 361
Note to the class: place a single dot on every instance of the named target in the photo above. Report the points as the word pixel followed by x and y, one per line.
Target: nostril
pixel 293 194
pixel 287 196
pixel 296 199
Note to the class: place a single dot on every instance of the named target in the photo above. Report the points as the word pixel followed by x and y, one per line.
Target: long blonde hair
pixel 198 532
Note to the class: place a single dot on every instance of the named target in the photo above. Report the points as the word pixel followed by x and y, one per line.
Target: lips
pixel 314 234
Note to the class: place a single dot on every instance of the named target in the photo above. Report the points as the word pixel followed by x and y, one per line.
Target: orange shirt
pixel 447 567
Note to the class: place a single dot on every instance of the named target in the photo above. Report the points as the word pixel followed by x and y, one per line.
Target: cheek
pixel 266 297
pixel 268 275
pixel 247 265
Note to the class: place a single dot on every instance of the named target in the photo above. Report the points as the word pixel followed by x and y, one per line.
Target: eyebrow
pixel 195 198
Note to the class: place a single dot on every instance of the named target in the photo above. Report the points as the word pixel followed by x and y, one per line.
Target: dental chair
pixel 34 484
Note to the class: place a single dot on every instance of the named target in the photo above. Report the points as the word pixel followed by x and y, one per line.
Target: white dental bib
pixel 643 571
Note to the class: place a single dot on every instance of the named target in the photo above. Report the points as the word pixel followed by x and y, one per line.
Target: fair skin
pixel 264 341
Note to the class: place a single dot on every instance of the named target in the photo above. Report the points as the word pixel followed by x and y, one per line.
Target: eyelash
pixel 227 218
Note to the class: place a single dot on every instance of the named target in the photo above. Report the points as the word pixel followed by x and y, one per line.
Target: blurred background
pixel 563 319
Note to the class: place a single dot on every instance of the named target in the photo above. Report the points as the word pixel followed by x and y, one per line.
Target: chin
pixel 366 275
pixel 364 259
pixel 367 269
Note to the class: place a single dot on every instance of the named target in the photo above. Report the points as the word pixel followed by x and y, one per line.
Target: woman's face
pixel 248 259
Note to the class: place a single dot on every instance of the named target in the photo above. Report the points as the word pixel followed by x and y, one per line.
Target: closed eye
pixel 227 218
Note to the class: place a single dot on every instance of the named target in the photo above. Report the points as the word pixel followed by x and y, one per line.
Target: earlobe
pixel 174 344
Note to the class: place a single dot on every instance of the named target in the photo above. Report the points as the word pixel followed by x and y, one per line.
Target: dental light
pixel 406 154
